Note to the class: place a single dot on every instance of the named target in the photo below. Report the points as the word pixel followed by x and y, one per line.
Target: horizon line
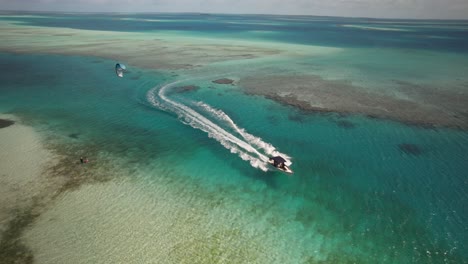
pixel 214 13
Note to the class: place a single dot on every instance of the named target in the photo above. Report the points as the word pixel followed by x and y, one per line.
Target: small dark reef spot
pixel 372 116
pixel 345 124
pixel 296 117
pixel 411 149
pixel 273 119
pixel 186 88
pixel 74 135
pixel 223 81
pixel 6 123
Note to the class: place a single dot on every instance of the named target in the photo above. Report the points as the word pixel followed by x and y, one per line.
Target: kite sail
pixel 120 69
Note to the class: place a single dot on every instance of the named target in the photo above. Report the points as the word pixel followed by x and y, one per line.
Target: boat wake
pixel 219 126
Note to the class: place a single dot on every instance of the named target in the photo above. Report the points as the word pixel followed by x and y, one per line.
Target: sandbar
pixel 146 50
pixel 23 185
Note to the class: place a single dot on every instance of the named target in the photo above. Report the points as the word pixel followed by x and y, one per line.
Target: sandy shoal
pixel 23 159
pixel 152 50
pixel 121 222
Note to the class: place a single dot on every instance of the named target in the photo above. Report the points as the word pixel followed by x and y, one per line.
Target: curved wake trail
pixel 253 140
pixel 247 147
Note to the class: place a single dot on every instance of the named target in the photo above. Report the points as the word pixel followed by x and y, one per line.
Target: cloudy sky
pixel 439 9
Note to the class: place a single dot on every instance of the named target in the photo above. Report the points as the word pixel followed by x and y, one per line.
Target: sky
pixel 418 9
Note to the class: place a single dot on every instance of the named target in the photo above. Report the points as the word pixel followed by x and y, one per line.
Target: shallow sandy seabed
pixel 147 50
pixel 54 210
pixel 22 162
pixel 155 50
pixel 24 186
pixel 162 228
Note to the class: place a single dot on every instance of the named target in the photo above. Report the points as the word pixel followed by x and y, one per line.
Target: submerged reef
pixel 411 149
pixel 345 124
pixel 74 135
pixel 186 88
pixel 6 123
pixel 224 81
pixel 427 107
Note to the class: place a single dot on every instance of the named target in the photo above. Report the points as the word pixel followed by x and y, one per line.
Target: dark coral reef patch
pixel 74 135
pixel 223 81
pixel 6 123
pixel 411 149
pixel 345 124
pixel 186 88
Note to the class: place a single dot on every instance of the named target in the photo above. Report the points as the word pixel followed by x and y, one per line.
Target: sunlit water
pixel 197 187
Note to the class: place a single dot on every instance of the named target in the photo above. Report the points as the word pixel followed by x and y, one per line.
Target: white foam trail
pixel 245 150
pixel 196 120
pixel 256 141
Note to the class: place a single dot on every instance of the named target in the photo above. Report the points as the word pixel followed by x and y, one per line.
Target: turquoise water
pixel 352 184
pixel 356 196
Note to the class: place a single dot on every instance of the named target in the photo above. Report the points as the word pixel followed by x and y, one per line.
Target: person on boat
pixel 278 162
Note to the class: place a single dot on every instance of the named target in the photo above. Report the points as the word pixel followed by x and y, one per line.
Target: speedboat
pixel 280 163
